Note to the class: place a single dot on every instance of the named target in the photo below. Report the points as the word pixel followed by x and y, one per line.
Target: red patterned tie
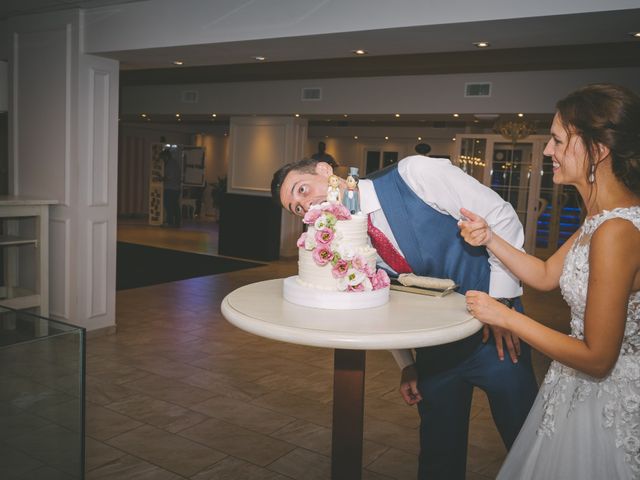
pixel 386 250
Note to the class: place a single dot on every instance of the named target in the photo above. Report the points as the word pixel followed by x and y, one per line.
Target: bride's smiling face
pixel 568 154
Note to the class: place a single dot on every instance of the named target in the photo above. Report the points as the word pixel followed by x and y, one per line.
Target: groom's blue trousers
pixel 447 375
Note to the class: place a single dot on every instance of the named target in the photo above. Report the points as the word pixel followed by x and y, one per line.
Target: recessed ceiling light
pixel 178 115
pixel 419 138
pixel 359 52
pixel 386 138
pixel 355 137
pixel 297 115
pixel 214 115
pixel 143 115
pixel 345 115
pixel 456 115
pixel 397 115
pixel 260 58
pixel 453 139
pixel 635 34
pixel 521 115
pixel 481 44
pixel 178 62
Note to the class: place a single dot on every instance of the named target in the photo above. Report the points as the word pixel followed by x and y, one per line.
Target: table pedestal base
pixel 348 414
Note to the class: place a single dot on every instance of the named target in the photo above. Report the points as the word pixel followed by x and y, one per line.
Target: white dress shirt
pixel 446 188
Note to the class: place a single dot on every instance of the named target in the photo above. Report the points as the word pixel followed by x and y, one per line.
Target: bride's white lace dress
pixel 581 427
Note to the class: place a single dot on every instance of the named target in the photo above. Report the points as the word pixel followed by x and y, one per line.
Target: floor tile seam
pixel 224 455
pixel 138 458
pixel 207 417
pixel 297 448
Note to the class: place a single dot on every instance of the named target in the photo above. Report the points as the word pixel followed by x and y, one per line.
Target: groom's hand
pixel 503 337
pixel 409 385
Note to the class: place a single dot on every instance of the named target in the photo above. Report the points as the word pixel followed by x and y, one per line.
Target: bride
pixel 585 422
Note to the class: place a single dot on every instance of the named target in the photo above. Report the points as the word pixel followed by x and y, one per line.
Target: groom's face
pixel 300 190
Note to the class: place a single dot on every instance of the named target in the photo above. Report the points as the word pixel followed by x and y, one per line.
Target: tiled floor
pixel 180 393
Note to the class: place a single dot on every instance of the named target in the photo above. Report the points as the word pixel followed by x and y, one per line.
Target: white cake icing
pixel 336 264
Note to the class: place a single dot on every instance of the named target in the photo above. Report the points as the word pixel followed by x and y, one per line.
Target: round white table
pixel 407 321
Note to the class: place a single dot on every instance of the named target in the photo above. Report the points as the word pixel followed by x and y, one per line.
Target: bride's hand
pixel 475 230
pixel 487 309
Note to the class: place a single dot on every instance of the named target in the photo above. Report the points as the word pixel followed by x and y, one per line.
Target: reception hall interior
pixel 96 95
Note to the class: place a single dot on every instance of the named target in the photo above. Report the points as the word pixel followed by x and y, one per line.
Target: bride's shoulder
pixel 617 233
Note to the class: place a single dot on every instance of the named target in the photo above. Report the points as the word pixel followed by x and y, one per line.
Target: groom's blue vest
pixel 429 240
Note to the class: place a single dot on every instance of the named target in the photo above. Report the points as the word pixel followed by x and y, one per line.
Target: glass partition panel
pixel 511 175
pixel 560 211
pixel 42 373
pixel 472 157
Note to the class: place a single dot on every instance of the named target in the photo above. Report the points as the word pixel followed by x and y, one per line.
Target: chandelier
pixel 514 130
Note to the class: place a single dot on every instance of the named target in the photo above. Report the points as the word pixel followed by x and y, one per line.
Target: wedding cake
pixel 336 264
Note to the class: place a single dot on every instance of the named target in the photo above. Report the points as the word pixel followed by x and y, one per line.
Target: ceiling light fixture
pixel 419 138
pixel 178 115
pixel 397 115
pixel 259 58
pixel 482 44
pixel 359 51
pixel 355 137
pixel 386 138
pixel 514 130
pixel 214 115
pixel 178 62
pixel 297 115
pixel 521 115
pixel 456 115
pixel 635 34
pixel 143 115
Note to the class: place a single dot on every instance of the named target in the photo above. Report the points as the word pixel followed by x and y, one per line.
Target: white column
pixel 63 146
pixel 258 147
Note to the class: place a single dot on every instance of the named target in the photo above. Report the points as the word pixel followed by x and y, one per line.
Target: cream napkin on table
pixel 413 280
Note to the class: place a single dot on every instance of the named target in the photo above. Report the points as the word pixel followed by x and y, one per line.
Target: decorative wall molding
pixel 59 268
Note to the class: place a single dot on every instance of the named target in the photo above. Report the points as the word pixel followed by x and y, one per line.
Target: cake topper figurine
pixel 334 195
pixel 351 196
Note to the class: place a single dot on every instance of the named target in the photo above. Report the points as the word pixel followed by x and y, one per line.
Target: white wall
pixel 531 92
pixel 63 143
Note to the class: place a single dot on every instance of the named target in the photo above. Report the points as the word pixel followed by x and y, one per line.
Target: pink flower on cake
pixel 359 263
pixel 380 280
pixel 340 269
pixel 339 211
pixel 356 288
pixel 368 271
pixel 302 240
pixel 324 236
pixel 322 255
pixel 312 215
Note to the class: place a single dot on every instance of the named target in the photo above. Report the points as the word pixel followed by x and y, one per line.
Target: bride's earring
pixel 592 175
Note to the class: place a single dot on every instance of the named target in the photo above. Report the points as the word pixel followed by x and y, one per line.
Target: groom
pixel 416 204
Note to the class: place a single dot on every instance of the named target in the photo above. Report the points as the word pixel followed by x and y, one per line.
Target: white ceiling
pixel 604 27
pixel 586 40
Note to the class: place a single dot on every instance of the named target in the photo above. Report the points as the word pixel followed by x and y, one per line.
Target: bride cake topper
pixel 334 195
